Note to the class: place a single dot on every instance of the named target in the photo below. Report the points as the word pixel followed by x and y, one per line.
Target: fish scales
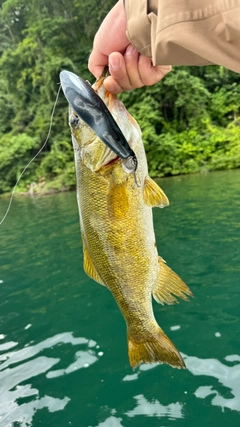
pixel 118 236
pixel 107 237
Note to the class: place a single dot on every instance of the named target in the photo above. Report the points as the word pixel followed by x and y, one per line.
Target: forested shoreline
pixel 190 120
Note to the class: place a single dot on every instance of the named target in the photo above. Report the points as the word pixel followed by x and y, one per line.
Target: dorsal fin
pixel 169 285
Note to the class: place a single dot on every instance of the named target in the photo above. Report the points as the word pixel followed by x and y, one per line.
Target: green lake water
pixel 63 351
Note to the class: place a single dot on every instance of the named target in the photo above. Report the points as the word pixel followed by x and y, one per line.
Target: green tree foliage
pixel 190 120
pixel 38 39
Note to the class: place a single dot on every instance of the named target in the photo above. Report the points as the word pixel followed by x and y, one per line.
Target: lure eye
pixel 73 120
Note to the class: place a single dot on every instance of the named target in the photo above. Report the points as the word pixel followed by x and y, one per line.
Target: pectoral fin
pixel 118 200
pixel 169 285
pixel 153 195
pixel 88 266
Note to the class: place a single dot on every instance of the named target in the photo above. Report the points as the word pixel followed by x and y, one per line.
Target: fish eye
pixel 73 121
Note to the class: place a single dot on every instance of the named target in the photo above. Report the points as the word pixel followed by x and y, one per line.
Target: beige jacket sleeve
pixel 186 32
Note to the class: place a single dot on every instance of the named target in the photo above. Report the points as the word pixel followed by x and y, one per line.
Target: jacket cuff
pixel 139 26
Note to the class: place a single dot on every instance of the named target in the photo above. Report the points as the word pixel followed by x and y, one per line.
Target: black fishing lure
pixel 90 107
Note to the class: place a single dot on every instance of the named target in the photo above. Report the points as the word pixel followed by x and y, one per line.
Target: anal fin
pixel 169 285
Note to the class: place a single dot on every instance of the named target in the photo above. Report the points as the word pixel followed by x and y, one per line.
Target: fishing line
pixel 34 157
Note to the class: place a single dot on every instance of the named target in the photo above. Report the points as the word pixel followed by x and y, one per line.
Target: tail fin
pixel 157 348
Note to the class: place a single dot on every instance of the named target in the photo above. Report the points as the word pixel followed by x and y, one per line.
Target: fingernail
pixel 114 63
pixel 167 67
pixel 130 49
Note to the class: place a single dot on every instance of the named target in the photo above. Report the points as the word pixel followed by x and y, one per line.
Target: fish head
pixel 88 146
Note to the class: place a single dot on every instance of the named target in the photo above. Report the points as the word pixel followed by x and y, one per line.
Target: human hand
pixel 128 68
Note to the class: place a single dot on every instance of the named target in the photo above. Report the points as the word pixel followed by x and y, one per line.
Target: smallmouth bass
pixel 119 246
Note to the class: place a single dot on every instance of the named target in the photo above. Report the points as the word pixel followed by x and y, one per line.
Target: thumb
pixel 96 62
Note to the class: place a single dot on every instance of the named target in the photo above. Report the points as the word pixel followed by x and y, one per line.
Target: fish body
pixel 118 236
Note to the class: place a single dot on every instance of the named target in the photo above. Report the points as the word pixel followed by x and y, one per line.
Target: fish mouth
pixel 111 162
pixel 92 110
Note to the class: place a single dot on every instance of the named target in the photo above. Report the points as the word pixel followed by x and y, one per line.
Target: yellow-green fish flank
pixel 118 237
